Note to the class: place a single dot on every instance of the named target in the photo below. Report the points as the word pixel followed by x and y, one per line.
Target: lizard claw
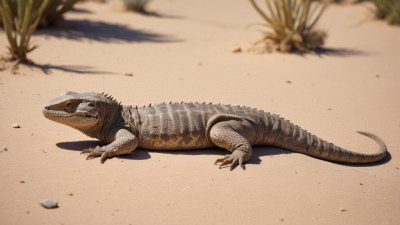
pixel 94 152
pixel 97 152
pixel 105 156
pixel 232 160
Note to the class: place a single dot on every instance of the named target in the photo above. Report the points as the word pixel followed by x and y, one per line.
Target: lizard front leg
pixel 123 142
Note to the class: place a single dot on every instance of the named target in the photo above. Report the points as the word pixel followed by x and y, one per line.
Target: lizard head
pixel 87 112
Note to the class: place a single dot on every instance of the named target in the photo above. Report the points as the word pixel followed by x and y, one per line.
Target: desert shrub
pixel 136 5
pixel 291 24
pixel 19 22
pixel 388 10
pixel 53 13
pixel 21 17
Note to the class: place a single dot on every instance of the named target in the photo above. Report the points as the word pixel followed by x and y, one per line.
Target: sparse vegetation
pixel 52 15
pixel 20 21
pixel 292 25
pixel 20 18
pixel 139 6
pixel 388 10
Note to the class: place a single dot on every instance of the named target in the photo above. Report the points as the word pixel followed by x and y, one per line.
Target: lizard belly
pixel 160 141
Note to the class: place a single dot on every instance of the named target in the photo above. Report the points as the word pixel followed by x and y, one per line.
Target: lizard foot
pixel 97 152
pixel 232 160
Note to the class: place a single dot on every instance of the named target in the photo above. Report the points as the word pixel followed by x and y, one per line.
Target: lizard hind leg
pixel 227 135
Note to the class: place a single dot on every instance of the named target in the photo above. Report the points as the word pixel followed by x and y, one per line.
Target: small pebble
pixel 22 181
pixel 4 149
pixel 377 76
pixel 361 184
pixel 128 74
pixel 70 194
pixel 288 82
pixel 343 209
pixel 16 125
pixel 237 50
pixel 49 204
pixel 330 109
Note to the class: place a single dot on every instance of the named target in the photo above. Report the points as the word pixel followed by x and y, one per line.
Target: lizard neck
pixel 132 120
pixel 110 119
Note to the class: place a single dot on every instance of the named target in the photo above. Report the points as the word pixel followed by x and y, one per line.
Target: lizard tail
pixel 294 138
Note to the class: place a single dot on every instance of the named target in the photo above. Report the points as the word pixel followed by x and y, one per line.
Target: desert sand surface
pixel 183 52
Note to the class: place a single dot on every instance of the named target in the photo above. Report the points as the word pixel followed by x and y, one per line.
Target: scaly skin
pixel 177 126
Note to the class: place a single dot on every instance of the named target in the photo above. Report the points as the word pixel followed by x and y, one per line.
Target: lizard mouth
pixel 48 113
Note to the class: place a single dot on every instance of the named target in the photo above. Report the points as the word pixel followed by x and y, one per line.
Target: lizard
pixel 188 125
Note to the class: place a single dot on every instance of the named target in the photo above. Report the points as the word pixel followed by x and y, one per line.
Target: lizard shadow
pixel 142 154
pixel 138 154
pixel 258 152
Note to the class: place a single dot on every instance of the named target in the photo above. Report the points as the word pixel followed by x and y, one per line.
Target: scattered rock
pixel 128 74
pixel 288 82
pixel 343 209
pixel 70 194
pixel 397 167
pixel 330 109
pixel 22 182
pixel 49 204
pixel 3 149
pixel 16 125
pixel 377 76
pixel 237 50
pixel 361 184
pixel 282 220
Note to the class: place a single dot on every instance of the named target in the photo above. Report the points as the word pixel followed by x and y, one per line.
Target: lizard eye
pixel 91 104
pixel 68 105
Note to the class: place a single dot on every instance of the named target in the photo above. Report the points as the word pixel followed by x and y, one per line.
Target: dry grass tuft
pixel 291 25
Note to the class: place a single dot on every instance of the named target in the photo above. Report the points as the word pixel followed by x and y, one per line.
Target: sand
pixel 183 52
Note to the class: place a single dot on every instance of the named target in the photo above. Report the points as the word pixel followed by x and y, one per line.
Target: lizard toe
pixel 104 156
pixel 87 151
pixel 93 152
pixel 237 158
pixel 221 159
